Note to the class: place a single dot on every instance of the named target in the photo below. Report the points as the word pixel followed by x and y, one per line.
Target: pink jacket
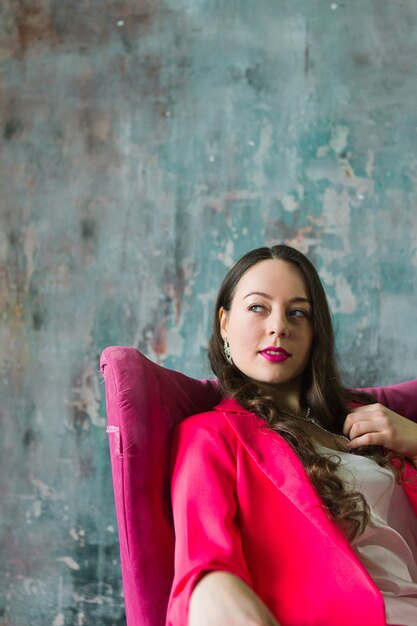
pixel 242 503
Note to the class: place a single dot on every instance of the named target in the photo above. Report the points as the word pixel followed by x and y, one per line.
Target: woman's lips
pixel 275 355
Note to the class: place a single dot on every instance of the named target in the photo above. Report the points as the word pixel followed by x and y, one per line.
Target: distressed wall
pixel 146 144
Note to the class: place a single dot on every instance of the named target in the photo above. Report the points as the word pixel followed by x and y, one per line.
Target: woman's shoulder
pixel 221 413
pixel 227 422
pixel 209 420
pixel 218 417
pixel 204 436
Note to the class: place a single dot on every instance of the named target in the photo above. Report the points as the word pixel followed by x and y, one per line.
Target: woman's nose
pixel 278 327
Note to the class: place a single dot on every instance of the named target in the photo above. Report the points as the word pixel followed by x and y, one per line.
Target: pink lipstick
pixel 274 354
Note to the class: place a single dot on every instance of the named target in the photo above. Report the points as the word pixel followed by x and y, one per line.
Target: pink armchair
pixel 144 402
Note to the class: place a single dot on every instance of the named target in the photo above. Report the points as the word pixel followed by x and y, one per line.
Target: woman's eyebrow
pixel 266 295
pixel 258 293
pixel 301 299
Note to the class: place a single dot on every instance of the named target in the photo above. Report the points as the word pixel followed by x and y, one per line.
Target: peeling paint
pixel 344 300
pixel 301 240
pixel 175 342
pixel 339 139
pixel 227 256
pixel 70 562
pixel 45 491
pixel 32 587
pixel 289 203
pixel 259 177
pixel 85 399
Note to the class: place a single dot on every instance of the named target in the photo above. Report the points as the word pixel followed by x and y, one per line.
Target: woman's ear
pixel 223 321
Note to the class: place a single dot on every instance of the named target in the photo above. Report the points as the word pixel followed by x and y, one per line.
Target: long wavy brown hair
pixel 322 390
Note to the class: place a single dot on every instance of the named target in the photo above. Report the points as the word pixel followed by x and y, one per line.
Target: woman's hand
pixel 223 598
pixel 376 425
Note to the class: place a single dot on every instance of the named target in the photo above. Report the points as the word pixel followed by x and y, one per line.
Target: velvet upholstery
pixel 144 402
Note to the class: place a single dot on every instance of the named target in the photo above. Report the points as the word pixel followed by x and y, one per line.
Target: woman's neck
pixel 288 400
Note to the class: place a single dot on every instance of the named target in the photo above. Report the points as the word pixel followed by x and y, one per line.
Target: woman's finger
pixel 363 427
pixel 367 439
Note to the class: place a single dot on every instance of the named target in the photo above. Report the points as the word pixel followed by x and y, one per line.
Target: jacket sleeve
pixel 204 502
pixel 401 398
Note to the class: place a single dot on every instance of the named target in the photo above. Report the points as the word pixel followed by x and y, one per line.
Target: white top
pixel 388 546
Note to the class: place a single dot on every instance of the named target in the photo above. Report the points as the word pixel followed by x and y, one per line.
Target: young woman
pixel 295 499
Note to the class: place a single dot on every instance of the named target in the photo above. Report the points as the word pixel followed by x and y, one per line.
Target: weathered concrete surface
pixel 144 146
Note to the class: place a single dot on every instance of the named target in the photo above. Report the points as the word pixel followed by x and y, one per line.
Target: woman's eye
pixel 256 308
pixel 298 313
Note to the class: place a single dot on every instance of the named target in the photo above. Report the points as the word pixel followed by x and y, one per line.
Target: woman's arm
pixel 223 598
pixel 208 546
pixel 400 398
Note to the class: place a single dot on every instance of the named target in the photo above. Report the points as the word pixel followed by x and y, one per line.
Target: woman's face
pixel 269 325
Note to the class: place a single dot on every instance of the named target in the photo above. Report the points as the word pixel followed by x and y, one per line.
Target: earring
pixel 227 352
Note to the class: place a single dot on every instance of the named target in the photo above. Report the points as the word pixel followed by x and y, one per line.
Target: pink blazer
pixel 242 502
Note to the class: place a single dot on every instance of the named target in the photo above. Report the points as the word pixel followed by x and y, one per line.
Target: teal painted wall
pixel 145 145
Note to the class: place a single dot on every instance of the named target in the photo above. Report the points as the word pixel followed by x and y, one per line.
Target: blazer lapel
pixel 275 457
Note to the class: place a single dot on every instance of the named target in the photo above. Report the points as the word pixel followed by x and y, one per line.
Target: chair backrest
pixel 144 402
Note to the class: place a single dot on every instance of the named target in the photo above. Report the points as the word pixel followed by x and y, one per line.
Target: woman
pixel 277 522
